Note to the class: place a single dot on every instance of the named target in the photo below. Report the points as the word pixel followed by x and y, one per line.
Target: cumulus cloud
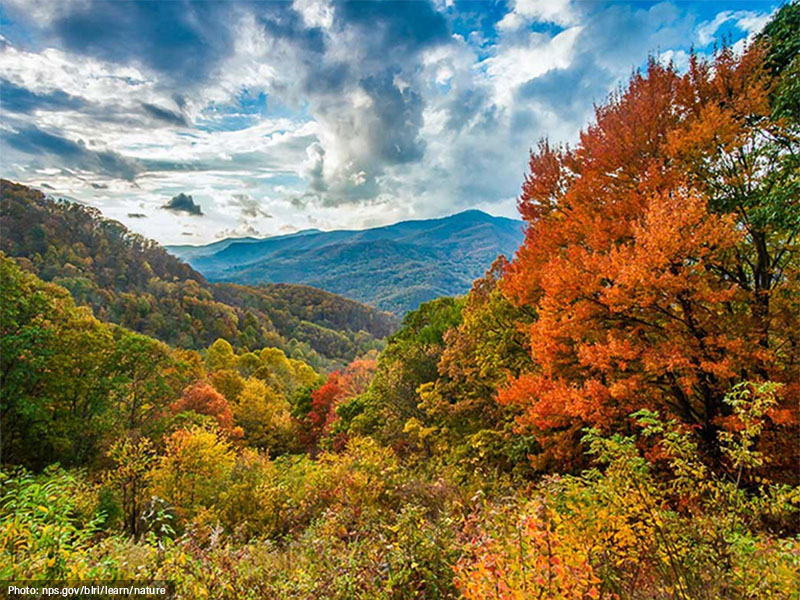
pixel 250 207
pixel 44 148
pixel 525 62
pixel 183 203
pixel 316 113
pixel 18 99
pixel 561 12
pixel 164 114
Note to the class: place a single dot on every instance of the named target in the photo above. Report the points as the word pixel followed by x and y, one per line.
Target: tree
pixel 323 408
pixel 130 477
pixel 409 361
pixel 356 377
pixel 220 356
pixel 479 356
pixel 265 417
pixel 660 257
pixel 304 374
pixel 56 373
pixel 322 417
pixel 201 398
pixel 229 383
pixel 148 371
pixel 783 60
pixel 193 470
pixel 84 382
pixel 26 344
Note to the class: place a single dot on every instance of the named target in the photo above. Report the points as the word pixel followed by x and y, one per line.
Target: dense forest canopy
pixel 610 413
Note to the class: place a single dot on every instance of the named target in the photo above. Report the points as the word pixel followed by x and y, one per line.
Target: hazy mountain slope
pixel 130 280
pixel 393 268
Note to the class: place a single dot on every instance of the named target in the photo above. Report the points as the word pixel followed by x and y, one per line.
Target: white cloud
pixel 43 12
pixel 355 133
pixel 524 12
pixel 515 65
pixel 315 13
pixel 678 58
pixel 751 22
pixel 90 79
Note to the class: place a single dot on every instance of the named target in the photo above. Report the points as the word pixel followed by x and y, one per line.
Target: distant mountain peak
pixel 393 267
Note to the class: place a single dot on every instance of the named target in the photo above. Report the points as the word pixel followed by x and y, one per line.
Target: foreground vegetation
pixel 612 414
pixel 356 524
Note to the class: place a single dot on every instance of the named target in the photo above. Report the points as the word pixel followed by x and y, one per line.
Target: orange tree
pixel 661 257
pixel 201 398
pixel 340 386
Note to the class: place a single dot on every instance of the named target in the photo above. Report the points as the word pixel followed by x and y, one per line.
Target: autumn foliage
pixel 201 398
pixel 659 257
pixel 612 414
pixel 338 387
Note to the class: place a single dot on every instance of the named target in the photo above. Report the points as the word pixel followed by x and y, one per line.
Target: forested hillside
pixel 132 281
pixel 610 414
pixel 395 268
pixel 71 383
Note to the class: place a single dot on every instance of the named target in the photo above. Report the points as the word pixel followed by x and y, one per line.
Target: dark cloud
pixel 399 115
pixel 395 27
pixel 21 100
pixel 463 105
pixel 315 170
pixel 249 206
pixel 566 92
pixel 100 186
pixel 17 99
pixel 241 160
pixel 183 203
pixel 182 39
pixel 137 215
pixel 281 21
pixel 29 139
pixel 166 115
pixel 327 78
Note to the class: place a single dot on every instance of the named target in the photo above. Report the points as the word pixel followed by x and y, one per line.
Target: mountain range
pixel 392 268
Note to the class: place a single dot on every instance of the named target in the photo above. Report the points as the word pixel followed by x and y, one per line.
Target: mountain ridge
pixel 132 281
pixel 392 267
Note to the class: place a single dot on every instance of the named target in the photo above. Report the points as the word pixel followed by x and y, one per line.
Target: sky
pixel 194 121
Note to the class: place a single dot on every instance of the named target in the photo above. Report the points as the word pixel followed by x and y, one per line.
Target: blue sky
pixel 279 116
